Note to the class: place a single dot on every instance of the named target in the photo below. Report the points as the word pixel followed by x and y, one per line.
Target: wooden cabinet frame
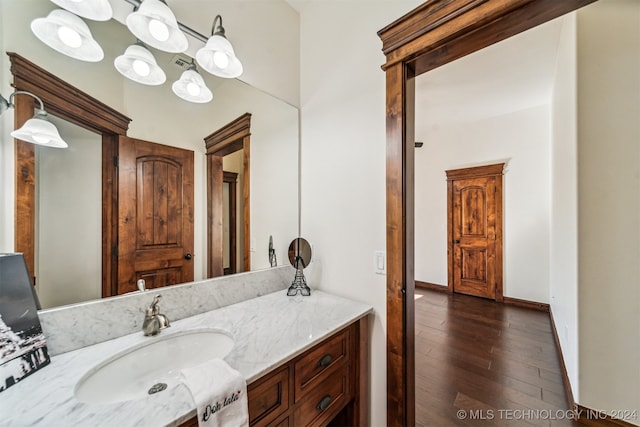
pixel 433 34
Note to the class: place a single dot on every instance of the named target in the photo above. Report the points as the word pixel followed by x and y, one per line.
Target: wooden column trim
pixel 400 250
pixel 231 178
pixel 433 34
pixel 246 196
pixel 109 215
pixel 25 188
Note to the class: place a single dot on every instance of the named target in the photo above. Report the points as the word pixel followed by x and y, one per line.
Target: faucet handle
pixel 153 309
pixel 156 300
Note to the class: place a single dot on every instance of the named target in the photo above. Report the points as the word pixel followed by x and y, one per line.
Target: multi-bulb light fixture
pixel 154 25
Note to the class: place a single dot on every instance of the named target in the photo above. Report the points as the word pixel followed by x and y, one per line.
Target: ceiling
pixel 509 76
pixel 298 5
pixel 512 75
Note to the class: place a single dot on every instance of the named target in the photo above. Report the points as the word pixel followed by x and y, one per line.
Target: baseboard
pixel 592 417
pixel 563 367
pixel 540 306
pixel 432 286
pixel 587 416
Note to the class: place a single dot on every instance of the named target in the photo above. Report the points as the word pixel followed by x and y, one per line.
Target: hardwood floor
pixel 481 363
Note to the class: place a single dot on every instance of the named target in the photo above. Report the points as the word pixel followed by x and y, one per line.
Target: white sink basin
pixel 155 364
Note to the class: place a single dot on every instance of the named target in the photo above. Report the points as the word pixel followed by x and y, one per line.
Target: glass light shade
pixel 97 10
pixel 191 87
pixel 156 25
pixel 62 31
pixel 39 130
pixel 139 65
pixel 217 53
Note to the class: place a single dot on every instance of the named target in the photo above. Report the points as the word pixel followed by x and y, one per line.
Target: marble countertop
pixel 268 331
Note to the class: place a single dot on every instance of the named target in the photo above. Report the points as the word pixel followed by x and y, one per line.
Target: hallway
pixel 480 363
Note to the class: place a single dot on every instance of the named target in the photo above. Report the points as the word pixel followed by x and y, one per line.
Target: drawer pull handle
pixel 325 361
pixel 324 403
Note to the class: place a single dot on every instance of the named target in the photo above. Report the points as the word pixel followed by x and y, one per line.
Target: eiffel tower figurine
pixel 299 256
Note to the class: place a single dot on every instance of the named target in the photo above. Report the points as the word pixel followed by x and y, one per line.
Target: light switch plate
pixel 380 262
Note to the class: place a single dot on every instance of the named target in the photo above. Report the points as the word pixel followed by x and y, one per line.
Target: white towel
pixel 220 393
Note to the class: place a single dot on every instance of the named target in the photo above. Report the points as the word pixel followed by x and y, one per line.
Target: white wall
pixel 521 139
pixel 563 251
pixel 609 204
pixel 69 212
pixel 161 117
pixel 343 158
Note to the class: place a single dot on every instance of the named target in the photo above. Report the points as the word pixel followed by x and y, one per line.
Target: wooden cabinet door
pixel 155 227
pixel 475 223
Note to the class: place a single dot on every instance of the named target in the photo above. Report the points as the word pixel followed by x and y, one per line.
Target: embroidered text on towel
pixel 215 407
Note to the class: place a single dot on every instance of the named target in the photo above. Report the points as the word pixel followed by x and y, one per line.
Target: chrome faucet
pixel 154 321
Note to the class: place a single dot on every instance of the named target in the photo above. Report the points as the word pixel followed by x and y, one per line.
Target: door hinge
pixel 116 161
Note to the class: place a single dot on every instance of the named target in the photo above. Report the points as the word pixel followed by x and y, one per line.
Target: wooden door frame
pixel 495 170
pixel 431 35
pixel 75 106
pixel 230 138
pixel 231 178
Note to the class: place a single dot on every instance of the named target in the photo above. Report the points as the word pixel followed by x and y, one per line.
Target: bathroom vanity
pixel 324 385
pixel 305 360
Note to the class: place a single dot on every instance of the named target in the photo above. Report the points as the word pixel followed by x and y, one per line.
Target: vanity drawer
pixel 322 403
pixel 268 398
pixel 321 362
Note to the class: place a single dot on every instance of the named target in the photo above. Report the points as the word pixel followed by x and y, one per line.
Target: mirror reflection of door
pixel 228 149
pixel 155 227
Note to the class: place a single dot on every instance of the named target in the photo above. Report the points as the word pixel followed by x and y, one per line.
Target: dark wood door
pixel 476 231
pixel 155 231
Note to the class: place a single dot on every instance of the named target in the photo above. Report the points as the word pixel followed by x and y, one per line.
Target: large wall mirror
pixel 68 182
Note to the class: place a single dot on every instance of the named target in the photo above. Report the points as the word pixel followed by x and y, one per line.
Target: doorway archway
pixel 433 34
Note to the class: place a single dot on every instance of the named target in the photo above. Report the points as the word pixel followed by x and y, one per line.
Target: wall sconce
pixel 65 32
pixel 191 86
pixel 96 10
pixel 218 56
pixel 156 25
pixel 139 65
pixel 37 130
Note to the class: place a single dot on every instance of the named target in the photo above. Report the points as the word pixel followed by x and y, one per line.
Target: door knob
pixel 188 257
pixel 457 242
